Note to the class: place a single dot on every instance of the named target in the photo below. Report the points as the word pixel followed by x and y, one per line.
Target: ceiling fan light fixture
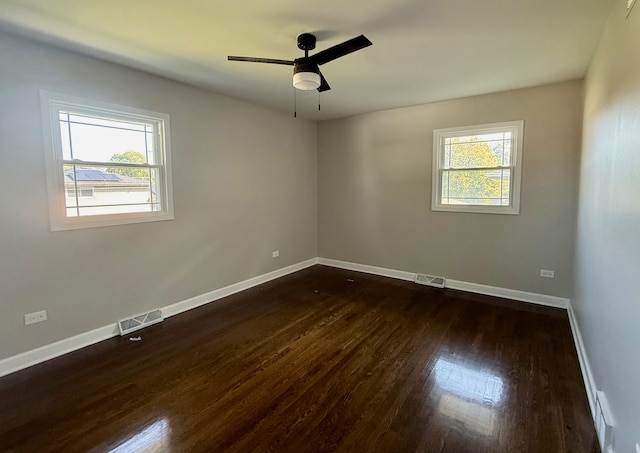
pixel 306 80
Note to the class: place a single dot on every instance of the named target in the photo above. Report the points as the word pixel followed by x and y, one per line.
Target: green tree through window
pixel 476 184
pixel 129 157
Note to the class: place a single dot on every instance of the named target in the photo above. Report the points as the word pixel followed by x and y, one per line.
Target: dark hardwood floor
pixel 320 360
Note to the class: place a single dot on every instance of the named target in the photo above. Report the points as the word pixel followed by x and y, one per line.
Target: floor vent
pixel 604 424
pixel 138 322
pixel 430 280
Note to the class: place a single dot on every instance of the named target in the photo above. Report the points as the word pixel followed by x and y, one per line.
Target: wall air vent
pixel 138 322
pixel 430 280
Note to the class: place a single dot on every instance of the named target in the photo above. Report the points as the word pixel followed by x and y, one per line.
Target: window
pixel 478 168
pixel 106 164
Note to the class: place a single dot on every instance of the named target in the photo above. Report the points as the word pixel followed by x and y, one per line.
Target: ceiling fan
pixel 306 74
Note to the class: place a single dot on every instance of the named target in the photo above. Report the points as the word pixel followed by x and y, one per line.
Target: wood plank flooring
pixel 321 360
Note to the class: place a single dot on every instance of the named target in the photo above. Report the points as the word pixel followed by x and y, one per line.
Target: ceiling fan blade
pixel 324 85
pixel 260 60
pixel 340 50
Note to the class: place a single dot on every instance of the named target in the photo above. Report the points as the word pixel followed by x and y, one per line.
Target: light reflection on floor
pixel 152 438
pixel 470 395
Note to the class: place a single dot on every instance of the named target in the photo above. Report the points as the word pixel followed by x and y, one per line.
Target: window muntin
pixel 107 164
pixel 477 168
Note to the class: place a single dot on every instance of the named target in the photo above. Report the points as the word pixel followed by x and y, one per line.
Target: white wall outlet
pixel 547 273
pixel 32 318
pixel 276 253
pixel 638 447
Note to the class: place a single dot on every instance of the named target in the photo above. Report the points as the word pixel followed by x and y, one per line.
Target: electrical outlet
pixel 276 253
pixel 638 447
pixel 547 273
pixel 32 318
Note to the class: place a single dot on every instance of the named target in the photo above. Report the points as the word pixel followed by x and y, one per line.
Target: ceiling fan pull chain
pixel 295 112
pixel 318 101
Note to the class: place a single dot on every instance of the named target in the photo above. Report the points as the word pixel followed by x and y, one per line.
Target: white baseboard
pixel 53 350
pixel 401 275
pixel 587 375
pixel 514 294
pixel 534 298
pixel 214 295
pixel 50 351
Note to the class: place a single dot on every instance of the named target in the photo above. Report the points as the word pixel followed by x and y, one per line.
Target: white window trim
pixel 50 106
pixel 517 128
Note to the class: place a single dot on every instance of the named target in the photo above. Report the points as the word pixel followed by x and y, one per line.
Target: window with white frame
pixel 106 164
pixel 478 168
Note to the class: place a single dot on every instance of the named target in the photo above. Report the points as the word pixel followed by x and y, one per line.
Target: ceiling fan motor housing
pixel 304 65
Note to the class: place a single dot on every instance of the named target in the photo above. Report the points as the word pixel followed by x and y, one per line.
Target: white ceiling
pixel 423 50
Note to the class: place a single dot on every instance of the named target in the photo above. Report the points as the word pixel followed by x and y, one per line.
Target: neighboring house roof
pixel 90 174
pixel 93 174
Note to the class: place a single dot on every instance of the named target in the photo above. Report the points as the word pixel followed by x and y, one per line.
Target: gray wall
pixel 607 301
pixel 374 186
pixel 244 185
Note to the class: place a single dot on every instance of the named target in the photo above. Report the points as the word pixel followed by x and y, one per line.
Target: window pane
pixel 507 153
pixel 106 122
pixel 101 140
pixel 446 162
pixel 476 187
pixel 110 190
pixel 501 147
pixel 478 151
pixel 64 136
pixel 123 209
pixel 150 143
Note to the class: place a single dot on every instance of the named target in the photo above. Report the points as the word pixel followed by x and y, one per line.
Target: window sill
pixel 111 220
pixel 508 210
